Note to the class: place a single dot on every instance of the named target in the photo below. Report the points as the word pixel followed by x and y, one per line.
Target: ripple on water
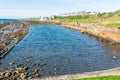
pixel 61 51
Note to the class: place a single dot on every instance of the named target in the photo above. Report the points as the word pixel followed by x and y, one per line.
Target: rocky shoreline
pixel 10 35
pixel 108 34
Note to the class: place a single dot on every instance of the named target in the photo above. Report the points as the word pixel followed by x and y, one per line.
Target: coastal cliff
pixel 10 34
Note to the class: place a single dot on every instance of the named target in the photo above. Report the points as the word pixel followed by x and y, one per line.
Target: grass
pixel 111 19
pixel 101 78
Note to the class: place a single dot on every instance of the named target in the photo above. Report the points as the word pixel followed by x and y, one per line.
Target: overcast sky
pixel 36 8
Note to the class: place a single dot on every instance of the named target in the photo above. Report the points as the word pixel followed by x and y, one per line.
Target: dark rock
pixel 26 68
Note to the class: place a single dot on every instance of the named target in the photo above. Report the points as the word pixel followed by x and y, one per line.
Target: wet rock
pixel 11 63
pixel 7 74
pixel 26 68
pixel 22 76
pixel 16 71
pixel 2 45
pixel 114 57
pixel 20 69
pixel 68 60
pixel 55 69
pixel 11 70
pixel 1 74
pixel 82 32
pixel 18 65
pixel 113 43
pixel 34 71
pixel 28 60
pixel 10 35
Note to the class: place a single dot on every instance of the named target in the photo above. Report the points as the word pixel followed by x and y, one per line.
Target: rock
pixel 20 69
pixel 35 71
pixel 2 45
pixel 22 76
pixel 7 74
pixel 28 60
pixel 82 32
pixel 26 68
pixel 11 70
pixel 11 63
pixel 18 65
pixel 16 71
pixel 1 74
pixel 114 57
pixel 55 69
pixel 113 43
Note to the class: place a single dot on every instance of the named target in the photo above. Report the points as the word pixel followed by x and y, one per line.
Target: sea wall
pixel 10 35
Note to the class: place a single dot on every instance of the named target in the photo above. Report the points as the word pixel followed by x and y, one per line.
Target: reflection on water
pixel 58 50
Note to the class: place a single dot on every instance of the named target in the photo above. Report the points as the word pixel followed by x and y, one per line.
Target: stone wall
pixel 10 35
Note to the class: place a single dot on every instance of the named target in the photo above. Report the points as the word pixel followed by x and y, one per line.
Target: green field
pixel 100 78
pixel 105 19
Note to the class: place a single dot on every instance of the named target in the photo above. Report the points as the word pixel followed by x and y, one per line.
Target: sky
pixel 37 8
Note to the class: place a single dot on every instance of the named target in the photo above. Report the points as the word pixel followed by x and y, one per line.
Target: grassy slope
pixel 101 78
pixel 106 19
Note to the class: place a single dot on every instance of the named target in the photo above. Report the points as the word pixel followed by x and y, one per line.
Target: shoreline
pixel 11 33
pixel 108 34
pixel 109 72
pixel 83 29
